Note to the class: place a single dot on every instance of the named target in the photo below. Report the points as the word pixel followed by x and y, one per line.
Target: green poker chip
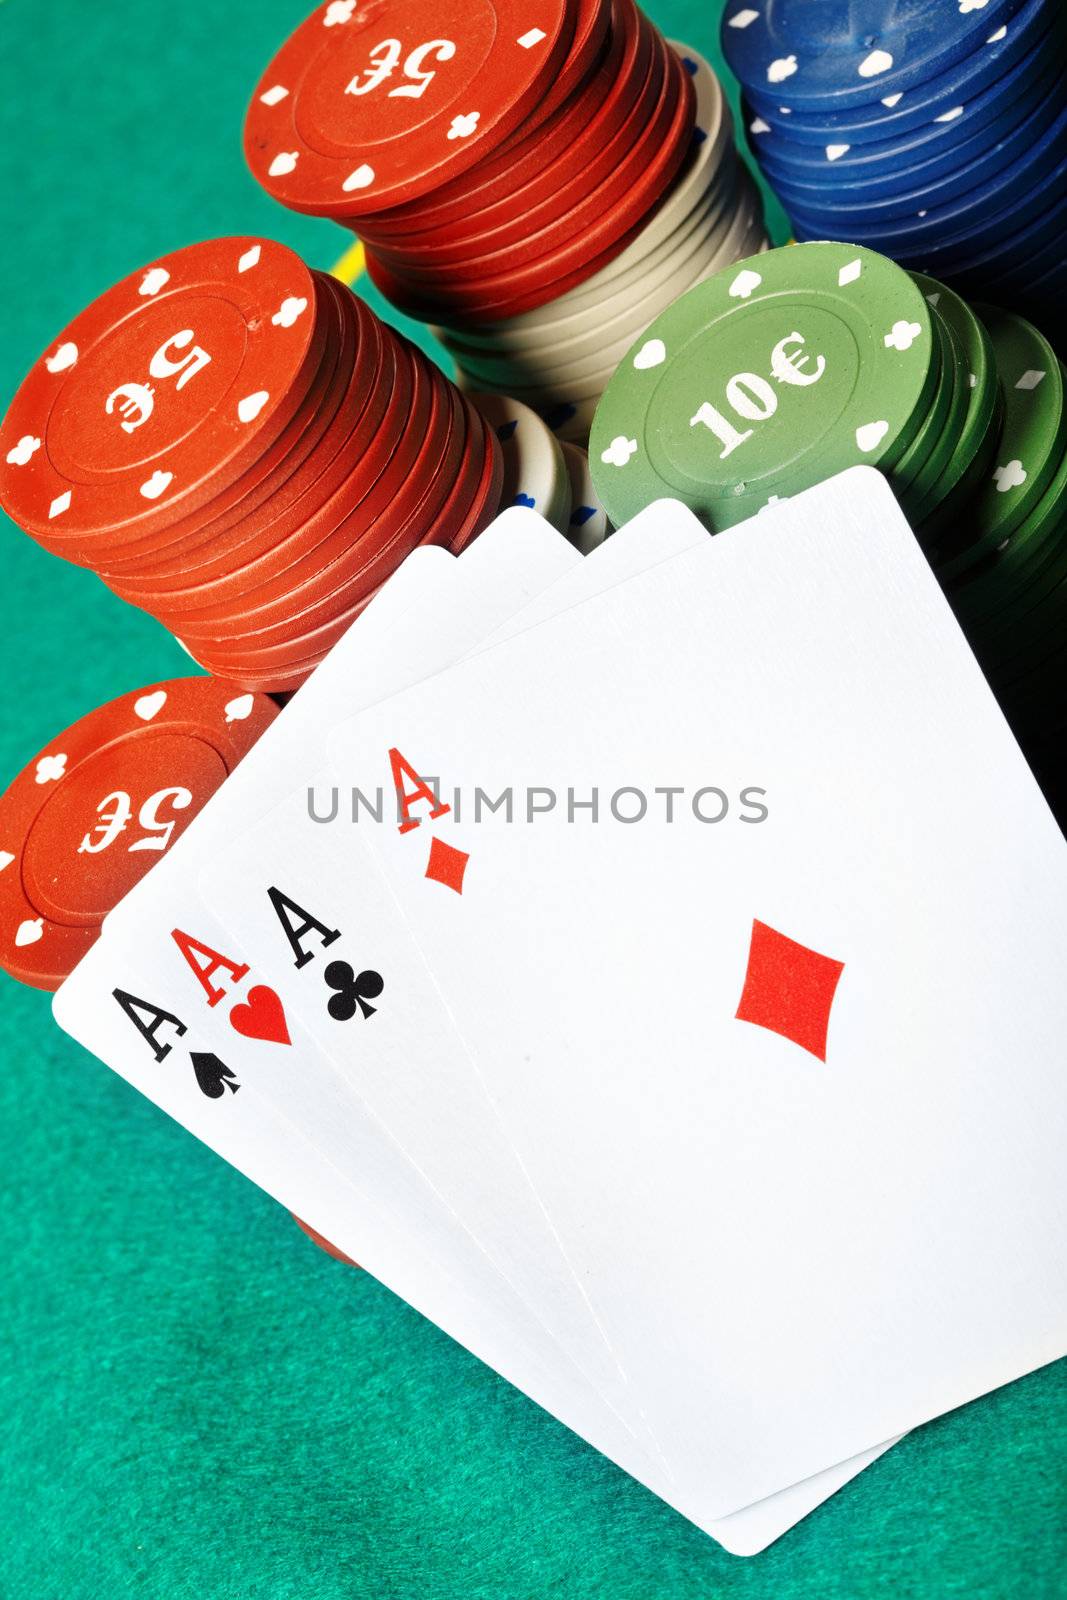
pixel 764 380
pixel 926 486
pixel 1032 441
pixel 965 456
pixel 910 470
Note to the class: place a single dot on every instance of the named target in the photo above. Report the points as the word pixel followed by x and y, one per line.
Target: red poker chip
pixel 594 154
pixel 575 247
pixel 385 528
pixel 284 466
pixel 92 813
pixel 373 414
pixel 170 379
pixel 526 152
pixel 365 108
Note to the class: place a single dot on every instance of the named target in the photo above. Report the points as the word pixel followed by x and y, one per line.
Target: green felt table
pixel 196 1403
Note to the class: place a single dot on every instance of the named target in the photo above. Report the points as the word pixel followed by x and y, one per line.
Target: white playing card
pixel 436 613
pixel 839 1248
pixel 651 538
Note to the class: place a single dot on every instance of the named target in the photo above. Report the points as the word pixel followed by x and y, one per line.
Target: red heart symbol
pixel 261 1016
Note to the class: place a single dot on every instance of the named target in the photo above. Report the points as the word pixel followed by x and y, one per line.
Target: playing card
pixel 320 869
pixel 790 1089
pixel 436 614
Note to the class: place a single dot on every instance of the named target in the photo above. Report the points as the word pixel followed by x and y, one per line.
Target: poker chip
pixel 764 379
pixel 489 155
pixel 767 378
pixel 587 525
pixel 933 135
pixel 538 217
pixel 559 357
pixel 97 807
pixel 237 445
pixel 535 468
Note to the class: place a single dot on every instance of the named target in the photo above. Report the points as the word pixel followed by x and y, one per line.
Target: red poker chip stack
pixel 491 154
pixel 99 805
pixel 237 445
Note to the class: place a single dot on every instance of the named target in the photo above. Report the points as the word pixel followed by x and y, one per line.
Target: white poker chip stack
pixel 558 359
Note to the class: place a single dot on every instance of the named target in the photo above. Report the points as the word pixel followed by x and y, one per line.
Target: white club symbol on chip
pixel 50 769
pixel 338 12
pixel 154 280
pixel 291 308
pixel 902 335
pixel 463 126
pixel 619 451
pixel 24 451
pixel 1012 475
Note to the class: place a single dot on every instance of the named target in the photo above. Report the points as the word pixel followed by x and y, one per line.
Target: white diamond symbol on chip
pixel 932 299
pixel 849 272
pixel 1030 379
pixel 892 100
pixel 59 505
pixel 834 152
pixel 274 96
pixel 249 259
pixel 528 40
pixel 950 116
pixel 759 126
pixel 742 19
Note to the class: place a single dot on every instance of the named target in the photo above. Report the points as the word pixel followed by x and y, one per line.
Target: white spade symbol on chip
pixel 237 710
pixel 249 408
pixel 65 357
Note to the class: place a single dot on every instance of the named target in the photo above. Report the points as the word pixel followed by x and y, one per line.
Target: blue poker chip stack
pixel 934 131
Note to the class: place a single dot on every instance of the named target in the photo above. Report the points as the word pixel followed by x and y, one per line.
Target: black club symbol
pixel 352 990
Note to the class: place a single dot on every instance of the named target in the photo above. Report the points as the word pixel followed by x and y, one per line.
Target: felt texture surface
pixel 195 1403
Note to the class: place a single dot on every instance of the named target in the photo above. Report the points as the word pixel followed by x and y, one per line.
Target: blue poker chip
pixel 1010 234
pixel 837 53
pixel 928 207
pixel 1035 248
pixel 898 113
pixel 962 133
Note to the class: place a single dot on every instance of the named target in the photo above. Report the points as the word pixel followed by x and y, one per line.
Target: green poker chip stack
pixel 784 369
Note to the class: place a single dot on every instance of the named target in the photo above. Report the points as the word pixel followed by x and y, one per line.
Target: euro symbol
pixel 787 365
